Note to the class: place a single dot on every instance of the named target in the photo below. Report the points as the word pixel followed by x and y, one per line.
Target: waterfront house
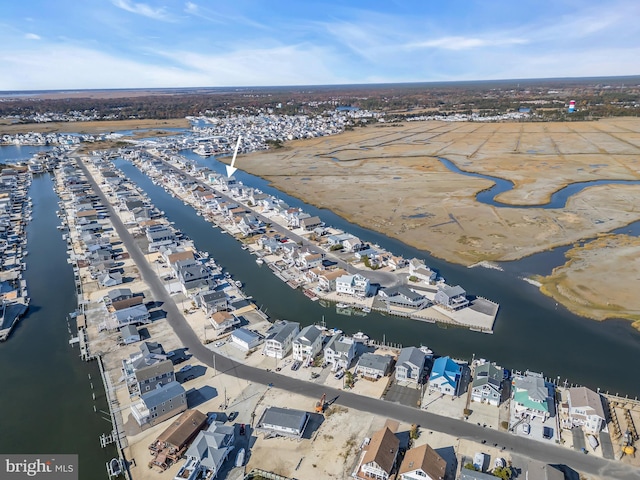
pixel 453 298
pixel 310 223
pixel 126 303
pixel 585 409
pixel 374 366
pixel 118 294
pixel 352 243
pixel 487 383
pixel 129 334
pixel 279 338
pixel 422 463
pixel 307 344
pixel 380 456
pixel 174 257
pixel 245 339
pixel 339 352
pixel 110 279
pixel 445 376
pixel 160 404
pixel 135 315
pixel 209 451
pixel 403 296
pixel 327 279
pixel 160 236
pixel 223 320
pixel 356 285
pixel 284 422
pixel 338 239
pixel 307 260
pixel 212 302
pixel 172 443
pixel 143 378
pixel 195 279
pixel 418 269
pixel 411 365
pixel 530 396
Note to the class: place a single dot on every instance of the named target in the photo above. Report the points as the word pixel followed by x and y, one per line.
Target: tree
pixel 470 466
pixel 414 433
pixel 348 379
pixel 502 472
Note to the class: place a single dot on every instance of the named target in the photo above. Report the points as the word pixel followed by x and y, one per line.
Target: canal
pixel 531 330
pixel 46 396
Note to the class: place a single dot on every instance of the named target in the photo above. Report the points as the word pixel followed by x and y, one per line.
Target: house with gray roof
pixel 279 339
pixel 531 396
pixel 453 298
pixel 119 294
pixel 212 301
pixel 195 279
pixel 585 409
pixel 411 365
pixel 245 339
pixel 403 296
pixel 339 352
pixel 311 223
pixel 487 383
pixel 148 377
pixel 156 406
pixel 129 334
pixel 307 344
pixel 135 315
pixel 209 451
pixel 110 279
pixel 283 422
pixel 374 366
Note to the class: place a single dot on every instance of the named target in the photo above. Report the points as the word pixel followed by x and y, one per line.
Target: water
pixel 16 153
pixel 45 399
pixel 531 330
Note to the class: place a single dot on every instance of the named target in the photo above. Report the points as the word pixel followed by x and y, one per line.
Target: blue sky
pixel 72 44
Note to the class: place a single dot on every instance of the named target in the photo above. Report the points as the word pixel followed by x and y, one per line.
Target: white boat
pixel 366 309
pixel 259 261
pixel 240 458
pixel 360 337
pixel 342 305
pixel 238 283
pixel 114 467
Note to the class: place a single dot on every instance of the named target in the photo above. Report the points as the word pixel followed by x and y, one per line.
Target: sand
pixel 388 178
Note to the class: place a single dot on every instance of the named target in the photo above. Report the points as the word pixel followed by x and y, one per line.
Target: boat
pixel 114 467
pixel 238 283
pixel 244 247
pixel 366 309
pixel 240 458
pixel 360 337
pixel 259 261
pixel 342 305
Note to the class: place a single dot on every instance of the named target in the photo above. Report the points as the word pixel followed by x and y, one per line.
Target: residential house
pixel 339 352
pixel 307 344
pixel 126 303
pixel 374 366
pixel 119 294
pixel 530 396
pixel 487 383
pixel 173 442
pixel 110 279
pixel 208 452
pixel 135 315
pixel 327 279
pixel 310 223
pixel 308 260
pixel 338 239
pixel 279 340
pixel 422 463
pixel 411 365
pixel 195 279
pixel 585 409
pixel 129 334
pixel 160 236
pixel 403 296
pixel 380 456
pixel 453 298
pixel 283 421
pixel 356 285
pixel 147 377
pixel 352 244
pixel 158 405
pixel 418 269
pixel 212 302
pixel 245 339
pixel 445 376
pixel 223 320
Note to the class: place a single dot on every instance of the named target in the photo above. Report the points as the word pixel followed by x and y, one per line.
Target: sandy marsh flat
pixel 381 177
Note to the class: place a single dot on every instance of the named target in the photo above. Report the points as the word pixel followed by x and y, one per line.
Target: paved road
pixel 542 451
pixel 385 279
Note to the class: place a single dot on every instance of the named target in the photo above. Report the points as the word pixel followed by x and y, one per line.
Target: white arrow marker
pixel 230 168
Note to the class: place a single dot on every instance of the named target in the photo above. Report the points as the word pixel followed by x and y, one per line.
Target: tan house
pixel 223 320
pixel 380 457
pixel 422 463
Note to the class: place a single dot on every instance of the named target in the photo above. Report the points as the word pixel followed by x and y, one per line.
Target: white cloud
pixel 143 9
pixel 465 43
pixel 32 36
pixel 191 7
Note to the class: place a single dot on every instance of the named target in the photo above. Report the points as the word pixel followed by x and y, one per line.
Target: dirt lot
pixel 430 207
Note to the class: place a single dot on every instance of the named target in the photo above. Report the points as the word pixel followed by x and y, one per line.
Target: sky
pixel 94 44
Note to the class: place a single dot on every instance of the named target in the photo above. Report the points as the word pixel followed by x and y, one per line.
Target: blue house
pixel 445 376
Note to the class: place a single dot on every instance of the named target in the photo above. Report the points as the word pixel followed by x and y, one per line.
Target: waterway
pixel 531 330
pixel 16 153
pixel 46 395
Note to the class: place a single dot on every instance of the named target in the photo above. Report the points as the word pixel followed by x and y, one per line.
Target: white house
pixel 279 338
pixel 307 344
pixel 245 339
pixel 585 409
pixel 223 320
pixel 487 384
pixel 410 366
pixel 356 285
pixel 340 352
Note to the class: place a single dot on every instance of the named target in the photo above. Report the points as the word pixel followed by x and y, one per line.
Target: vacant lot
pixel 389 178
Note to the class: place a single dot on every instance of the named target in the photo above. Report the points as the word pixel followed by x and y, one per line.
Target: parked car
pixel 295 366
pixel 242 429
pixel 526 428
pixel 339 375
pixel 184 369
pixel 211 418
pixel 547 432
pixel 232 416
pixel 218 343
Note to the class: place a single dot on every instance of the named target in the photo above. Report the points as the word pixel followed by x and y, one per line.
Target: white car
pixel 526 428
pixel 218 344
